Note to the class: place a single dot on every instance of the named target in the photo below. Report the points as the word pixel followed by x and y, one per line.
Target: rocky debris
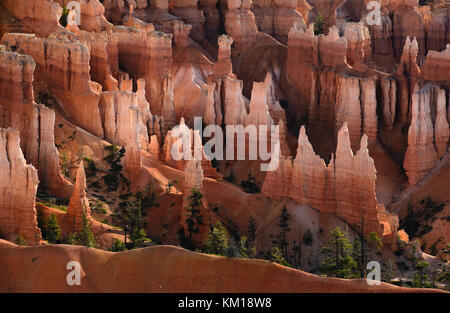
pixel 18 186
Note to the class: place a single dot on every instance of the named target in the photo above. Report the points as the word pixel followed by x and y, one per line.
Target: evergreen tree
pixel 284 229
pixel 193 215
pixel 318 25
pixel 53 231
pixel 117 246
pixel 86 237
pixel 217 241
pixel 339 261
pixel 277 256
pixel 374 241
pixel 243 247
pixel 308 238
pixel 420 278
pixel 390 272
pixel 251 230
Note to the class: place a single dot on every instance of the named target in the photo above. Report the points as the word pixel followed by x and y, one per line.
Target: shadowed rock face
pixel 181 271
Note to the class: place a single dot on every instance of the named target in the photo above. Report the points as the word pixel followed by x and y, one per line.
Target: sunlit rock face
pixel 18 185
pixel 35 122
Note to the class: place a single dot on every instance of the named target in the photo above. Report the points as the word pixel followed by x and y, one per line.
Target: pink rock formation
pixel 212 18
pixel 79 203
pixel 327 9
pixel 233 101
pixel 321 186
pixel 212 114
pixel 276 111
pixel 421 154
pixel 259 112
pixel 356 204
pixel 389 101
pixel 347 99
pixel 369 108
pixel 441 127
pixel 438 30
pixel 34 121
pixel 18 185
pixel 277 17
pixel 37 16
pixel 436 67
pixel 193 175
pixel 381 37
pixel 277 183
pixel 408 21
pixel 286 15
pixel 156 77
pixel 181 33
pixel 104 59
pixel 333 49
pixel 92 16
pixel 359 48
pixel 223 65
pixel 240 23
pixel 348 108
pixel 302 59
pixel 187 10
pixel 121 116
pixel 63 65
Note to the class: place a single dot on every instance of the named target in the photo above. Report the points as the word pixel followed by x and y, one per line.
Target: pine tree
pixel 217 241
pixel 277 256
pixel 318 25
pixel 339 261
pixel 86 236
pixel 117 246
pixel 284 229
pixel 193 215
pixel 420 278
pixel 390 272
pixel 53 231
pixel 251 230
